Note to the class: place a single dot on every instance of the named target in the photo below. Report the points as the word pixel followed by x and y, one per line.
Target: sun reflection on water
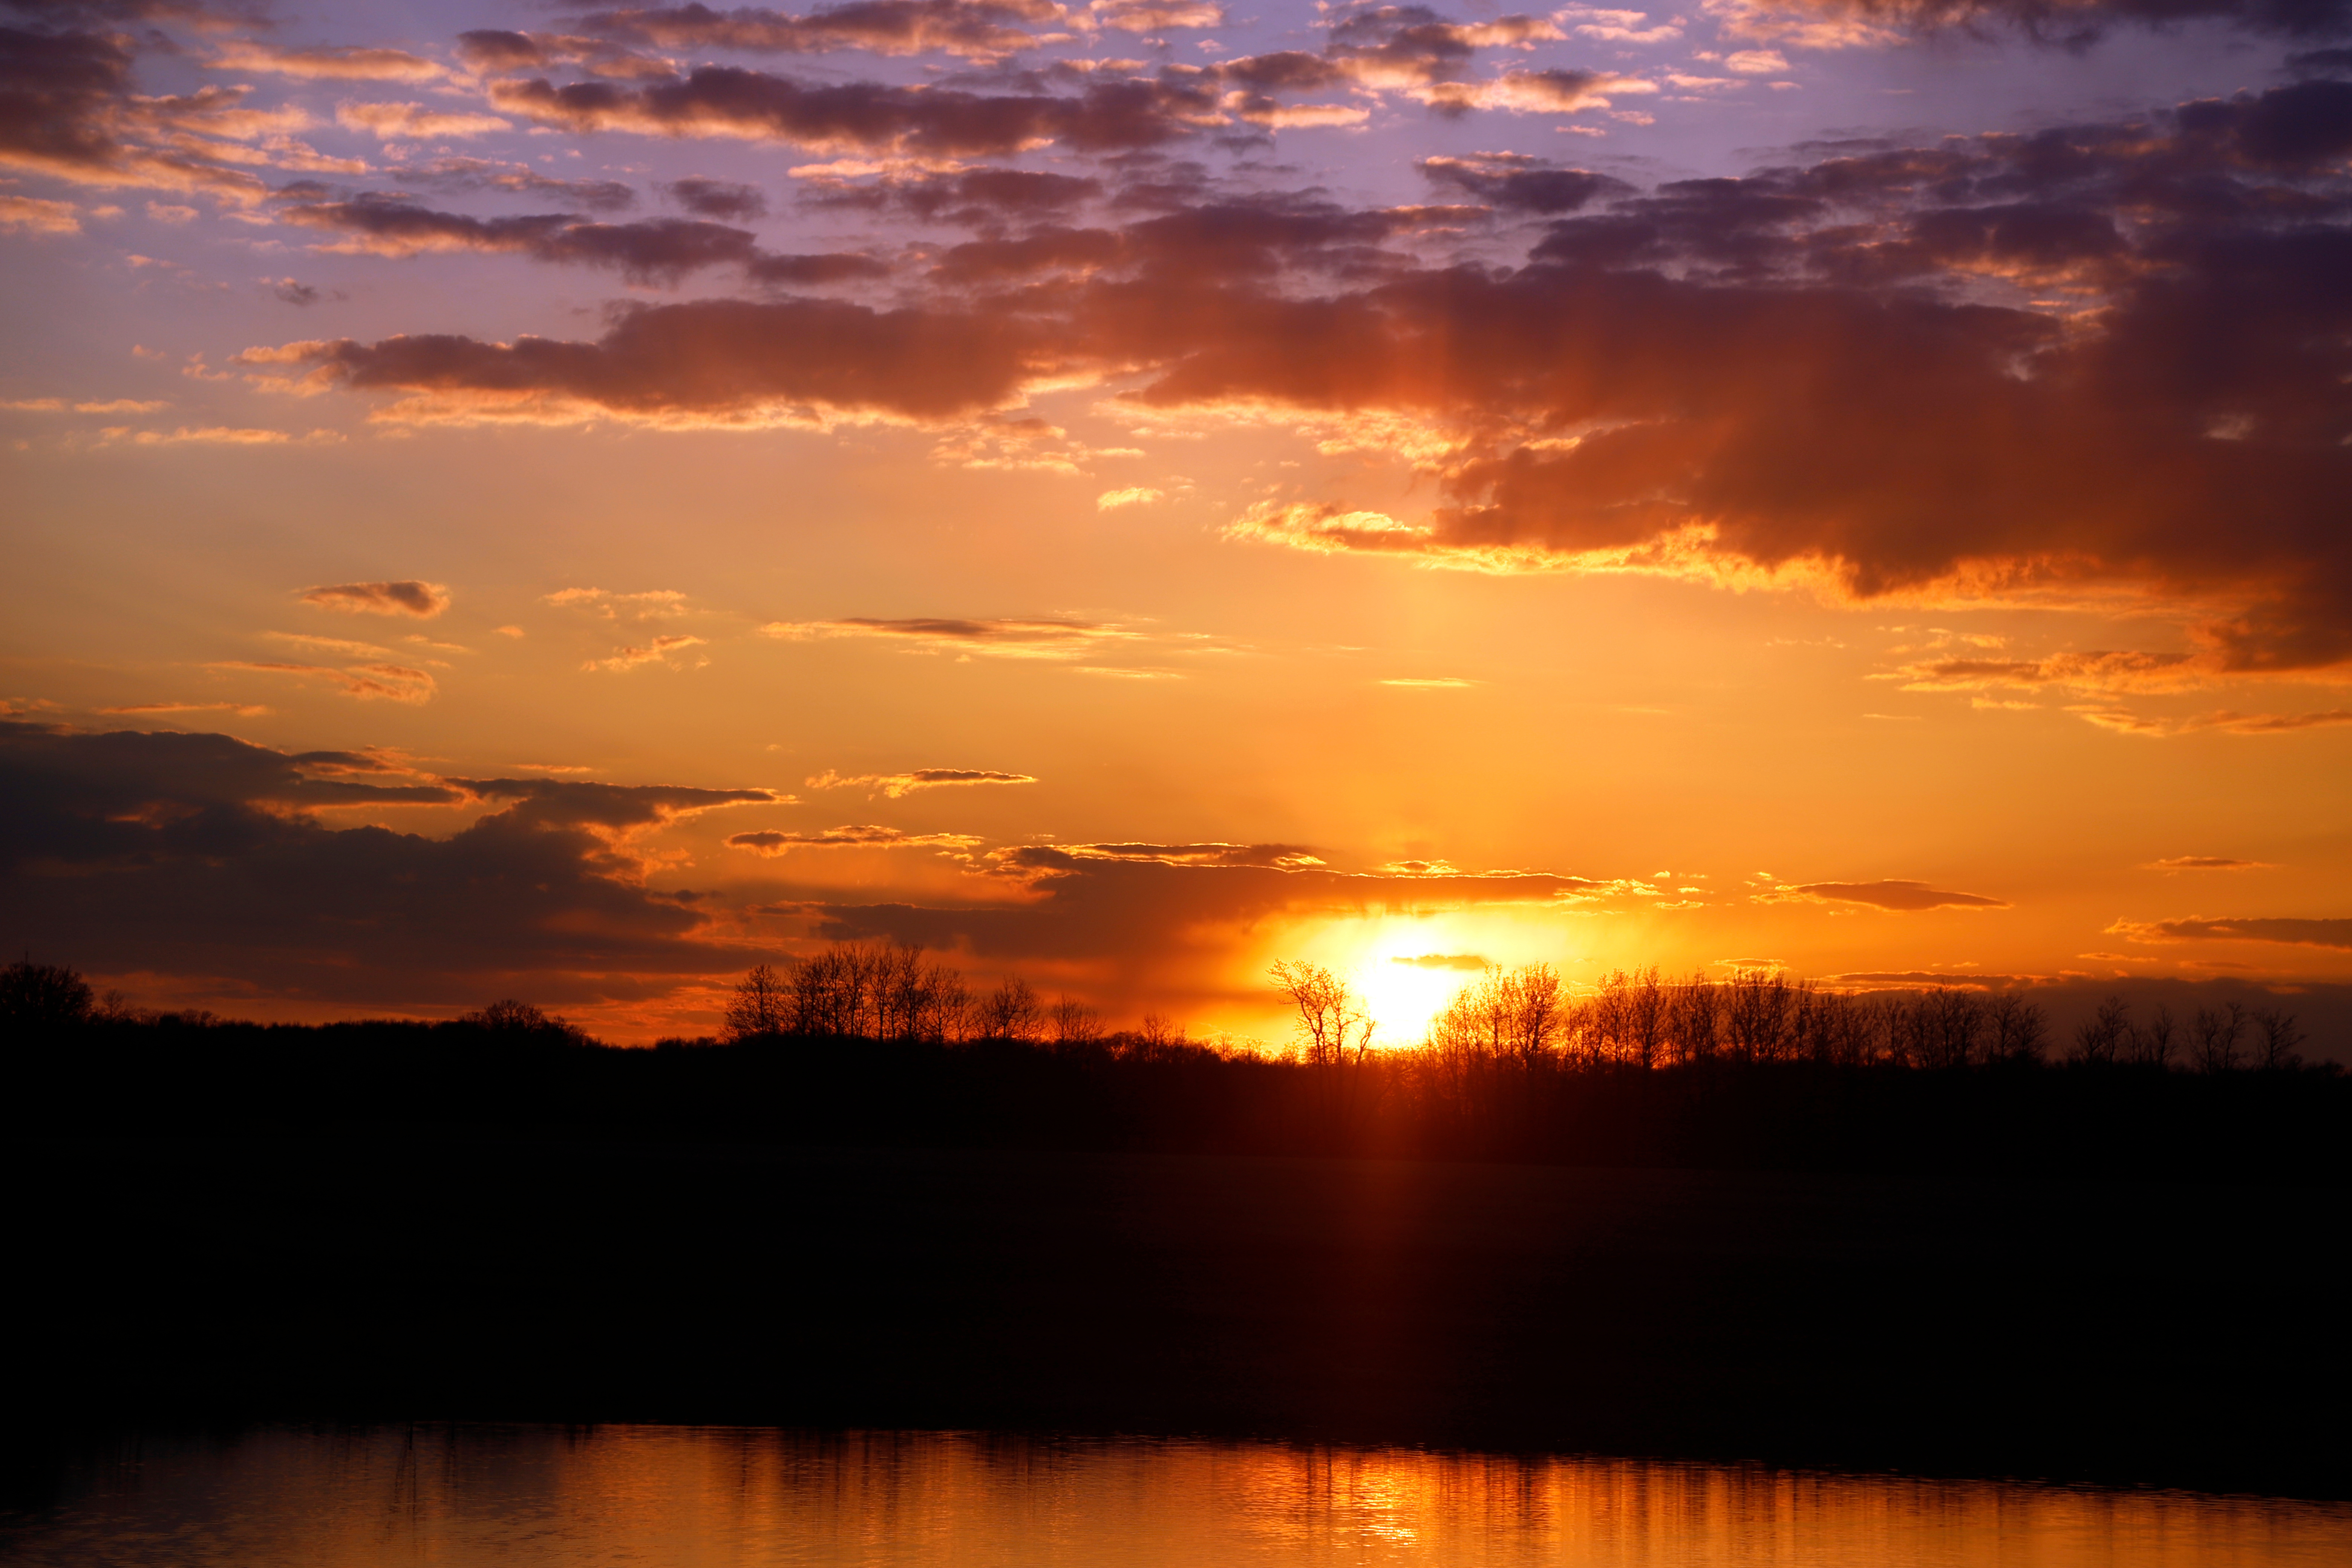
pixel 698 1498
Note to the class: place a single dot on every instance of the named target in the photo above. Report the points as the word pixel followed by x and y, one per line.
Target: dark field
pixel 2135 1332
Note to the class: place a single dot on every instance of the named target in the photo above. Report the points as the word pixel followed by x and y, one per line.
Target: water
pixel 702 1498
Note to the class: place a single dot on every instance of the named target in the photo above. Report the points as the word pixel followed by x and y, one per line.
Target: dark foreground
pixel 2132 1332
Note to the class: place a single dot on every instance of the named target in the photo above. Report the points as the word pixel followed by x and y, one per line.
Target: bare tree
pixel 1334 1029
pixel 1756 1015
pixel 2097 1041
pixel 761 1005
pixel 2021 1031
pixel 2216 1036
pixel 508 1017
pixel 1646 1017
pixel 1073 1022
pixel 1011 1012
pixel 1604 1020
pixel 42 996
pixel 2275 1050
pixel 2151 1044
pixel 1950 1021
pixel 1697 1018
pixel 1159 1038
pixel 901 981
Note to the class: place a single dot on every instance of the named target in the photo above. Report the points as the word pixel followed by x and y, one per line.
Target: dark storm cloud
pixel 652 250
pixel 712 356
pixel 721 199
pixel 979 198
pixel 67 110
pixel 497 53
pixel 84 13
pixel 455 176
pixel 1846 371
pixel 1414 43
pixel 2066 21
pixel 1521 183
pixel 55 90
pixel 201 855
pixel 872 116
pixel 981 28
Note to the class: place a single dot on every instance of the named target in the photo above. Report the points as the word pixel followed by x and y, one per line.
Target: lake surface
pixel 455 1497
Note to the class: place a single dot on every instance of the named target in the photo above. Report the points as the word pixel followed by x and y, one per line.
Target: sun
pixel 1406 977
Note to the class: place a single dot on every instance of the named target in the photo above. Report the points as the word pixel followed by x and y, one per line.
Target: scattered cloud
pixel 1049 640
pixel 242 710
pixel 345 63
pixel 895 786
pixel 35 215
pixel 2299 932
pixel 772 843
pixel 2204 863
pixel 413 121
pixel 407 597
pixel 368 682
pixel 658 651
pixel 1279 857
pixel 1132 495
pixel 2223 721
pixel 653 604
pixel 64 406
pixel 1906 896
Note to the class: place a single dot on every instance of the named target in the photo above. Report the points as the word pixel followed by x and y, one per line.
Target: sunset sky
pixel 510 499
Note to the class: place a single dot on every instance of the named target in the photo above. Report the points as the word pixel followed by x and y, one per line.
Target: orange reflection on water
pixel 702 1498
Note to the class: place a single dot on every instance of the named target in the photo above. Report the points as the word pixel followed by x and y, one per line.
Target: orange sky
pixel 571 507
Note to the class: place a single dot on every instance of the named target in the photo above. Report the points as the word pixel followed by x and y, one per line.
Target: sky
pixel 523 499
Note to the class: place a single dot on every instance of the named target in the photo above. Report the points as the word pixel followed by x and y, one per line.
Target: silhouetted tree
pixel 1695 1018
pixel 1950 1023
pixel 2102 1037
pixel 39 996
pixel 1011 1012
pixel 1158 1039
pixel 1646 1017
pixel 1073 1022
pixel 1334 1029
pixel 1756 1013
pixel 1518 1015
pixel 760 1006
pixel 2217 1031
pixel 2151 1043
pixel 2275 1046
pixel 512 1017
pixel 2020 1031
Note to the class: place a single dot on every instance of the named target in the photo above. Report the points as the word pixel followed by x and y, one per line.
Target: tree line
pixel 867 1046
pixel 1527 1016
pixel 1757 1014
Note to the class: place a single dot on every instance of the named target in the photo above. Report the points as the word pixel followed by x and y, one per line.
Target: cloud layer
pixel 204 856
pixel 2048 363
